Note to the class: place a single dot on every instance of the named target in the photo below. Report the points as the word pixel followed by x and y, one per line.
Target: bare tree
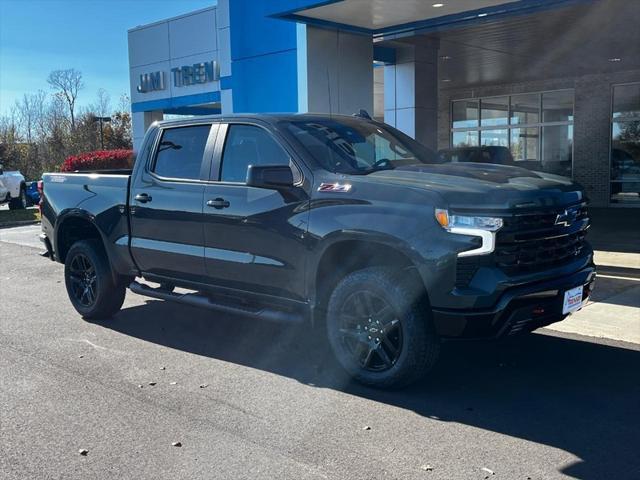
pixel 68 83
pixel 124 105
pixel 102 107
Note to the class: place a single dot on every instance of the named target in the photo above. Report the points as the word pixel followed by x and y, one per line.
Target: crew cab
pixel 339 221
pixel 13 189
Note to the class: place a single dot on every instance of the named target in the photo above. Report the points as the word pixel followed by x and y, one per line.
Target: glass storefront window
pixel 625 162
pixel 525 144
pixel 557 106
pixel 625 144
pixel 494 111
pixel 494 138
pixel 465 114
pixel 557 148
pixel 465 139
pixel 626 101
pixel 536 129
pixel 525 108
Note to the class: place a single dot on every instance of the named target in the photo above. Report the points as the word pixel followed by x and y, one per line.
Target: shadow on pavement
pixel 577 396
pixel 614 230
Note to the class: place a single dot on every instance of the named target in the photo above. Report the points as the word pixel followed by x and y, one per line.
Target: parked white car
pixel 13 189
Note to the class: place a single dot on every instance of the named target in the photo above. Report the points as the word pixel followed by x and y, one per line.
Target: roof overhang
pixel 390 17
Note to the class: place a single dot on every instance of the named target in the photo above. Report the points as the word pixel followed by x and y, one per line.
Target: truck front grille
pixel 535 241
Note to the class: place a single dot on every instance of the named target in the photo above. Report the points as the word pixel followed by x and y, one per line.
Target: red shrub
pixel 99 160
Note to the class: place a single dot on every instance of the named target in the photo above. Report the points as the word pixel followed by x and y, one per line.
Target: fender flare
pixel 366 237
pixel 78 213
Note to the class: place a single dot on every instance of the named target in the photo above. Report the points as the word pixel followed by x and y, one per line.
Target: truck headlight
pixel 477 226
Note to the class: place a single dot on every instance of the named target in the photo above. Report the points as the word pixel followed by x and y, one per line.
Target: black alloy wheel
pixel 95 292
pixel 83 279
pixel 370 331
pixel 379 327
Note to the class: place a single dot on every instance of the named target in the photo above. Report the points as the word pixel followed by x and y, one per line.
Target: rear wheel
pixel 20 202
pixel 89 282
pixel 380 329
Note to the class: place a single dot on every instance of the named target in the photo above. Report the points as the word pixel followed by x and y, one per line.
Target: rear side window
pixel 180 152
pixel 249 145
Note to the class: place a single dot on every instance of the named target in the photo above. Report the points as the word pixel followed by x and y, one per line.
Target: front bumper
pixel 522 308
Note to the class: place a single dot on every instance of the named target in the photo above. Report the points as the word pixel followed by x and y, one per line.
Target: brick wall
pixel 591 130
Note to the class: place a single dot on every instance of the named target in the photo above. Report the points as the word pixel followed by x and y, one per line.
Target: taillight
pixel 40 186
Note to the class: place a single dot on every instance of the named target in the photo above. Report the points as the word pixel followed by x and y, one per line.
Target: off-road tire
pixel 108 296
pixel 21 202
pixel 420 345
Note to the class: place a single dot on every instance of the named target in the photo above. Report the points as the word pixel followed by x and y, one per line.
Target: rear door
pixel 166 203
pixel 254 237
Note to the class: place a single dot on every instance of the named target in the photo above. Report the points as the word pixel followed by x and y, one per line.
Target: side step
pixel 204 301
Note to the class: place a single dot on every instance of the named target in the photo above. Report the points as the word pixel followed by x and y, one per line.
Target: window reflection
pixel 557 148
pixel 625 144
pixel 626 101
pixel 536 129
pixel 494 111
pixel 525 144
pixel 494 138
pixel 465 139
pixel 525 108
pixel 465 114
pixel 557 106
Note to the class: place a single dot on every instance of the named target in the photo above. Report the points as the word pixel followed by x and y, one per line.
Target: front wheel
pixel 89 282
pixel 380 329
pixel 19 203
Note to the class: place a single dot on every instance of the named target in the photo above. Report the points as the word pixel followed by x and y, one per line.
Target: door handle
pixel 218 203
pixel 142 198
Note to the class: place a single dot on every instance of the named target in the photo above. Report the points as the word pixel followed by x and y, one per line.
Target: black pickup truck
pixel 339 221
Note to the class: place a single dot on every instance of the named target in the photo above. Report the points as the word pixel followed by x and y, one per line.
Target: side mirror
pixel 1 169
pixel 273 177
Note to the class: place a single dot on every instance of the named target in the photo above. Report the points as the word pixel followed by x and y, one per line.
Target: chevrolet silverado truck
pixel 339 221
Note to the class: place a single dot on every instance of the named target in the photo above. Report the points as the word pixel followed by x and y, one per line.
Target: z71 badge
pixel 334 187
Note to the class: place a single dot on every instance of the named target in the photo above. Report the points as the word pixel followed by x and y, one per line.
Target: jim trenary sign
pixel 184 76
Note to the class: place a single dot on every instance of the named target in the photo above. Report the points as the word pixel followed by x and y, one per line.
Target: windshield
pixel 353 146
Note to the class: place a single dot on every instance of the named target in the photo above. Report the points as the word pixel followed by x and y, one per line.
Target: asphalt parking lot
pixel 250 400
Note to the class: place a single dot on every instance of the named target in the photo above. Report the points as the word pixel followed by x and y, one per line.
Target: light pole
pixel 102 120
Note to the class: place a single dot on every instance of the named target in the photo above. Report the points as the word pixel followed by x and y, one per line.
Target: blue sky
pixel 37 36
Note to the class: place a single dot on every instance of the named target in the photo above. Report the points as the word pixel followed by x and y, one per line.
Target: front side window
pixel 352 146
pixel 180 152
pixel 249 145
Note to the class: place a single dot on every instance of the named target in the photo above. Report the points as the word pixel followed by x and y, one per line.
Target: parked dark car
pixel 502 156
pixel 340 222
pixel 485 154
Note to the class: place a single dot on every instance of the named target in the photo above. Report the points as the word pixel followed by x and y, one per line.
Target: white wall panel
pixel 193 34
pixel 149 45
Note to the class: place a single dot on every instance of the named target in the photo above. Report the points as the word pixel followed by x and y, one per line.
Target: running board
pixel 203 301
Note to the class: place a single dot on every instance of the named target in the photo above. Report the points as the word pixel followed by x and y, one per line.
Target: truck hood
pixel 485 186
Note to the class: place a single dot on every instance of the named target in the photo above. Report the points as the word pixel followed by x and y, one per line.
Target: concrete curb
pixel 19 223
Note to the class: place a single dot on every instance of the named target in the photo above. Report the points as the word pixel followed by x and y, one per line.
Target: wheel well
pixel 72 230
pixel 342 258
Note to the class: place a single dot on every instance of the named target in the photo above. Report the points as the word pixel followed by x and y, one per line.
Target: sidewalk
pixel 614 308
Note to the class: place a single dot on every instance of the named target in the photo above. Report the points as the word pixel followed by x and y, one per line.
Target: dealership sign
pixel 184 76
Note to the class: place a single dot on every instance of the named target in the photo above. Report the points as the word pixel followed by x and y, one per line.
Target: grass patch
pixel 10 216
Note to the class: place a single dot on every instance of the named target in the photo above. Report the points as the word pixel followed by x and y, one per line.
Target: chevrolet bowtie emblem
pixel 567 217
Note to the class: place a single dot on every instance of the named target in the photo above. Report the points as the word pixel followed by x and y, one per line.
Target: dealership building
pixel 555 82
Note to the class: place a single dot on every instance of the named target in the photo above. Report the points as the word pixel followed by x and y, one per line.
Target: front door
pixel 167 236
pixel 254 237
